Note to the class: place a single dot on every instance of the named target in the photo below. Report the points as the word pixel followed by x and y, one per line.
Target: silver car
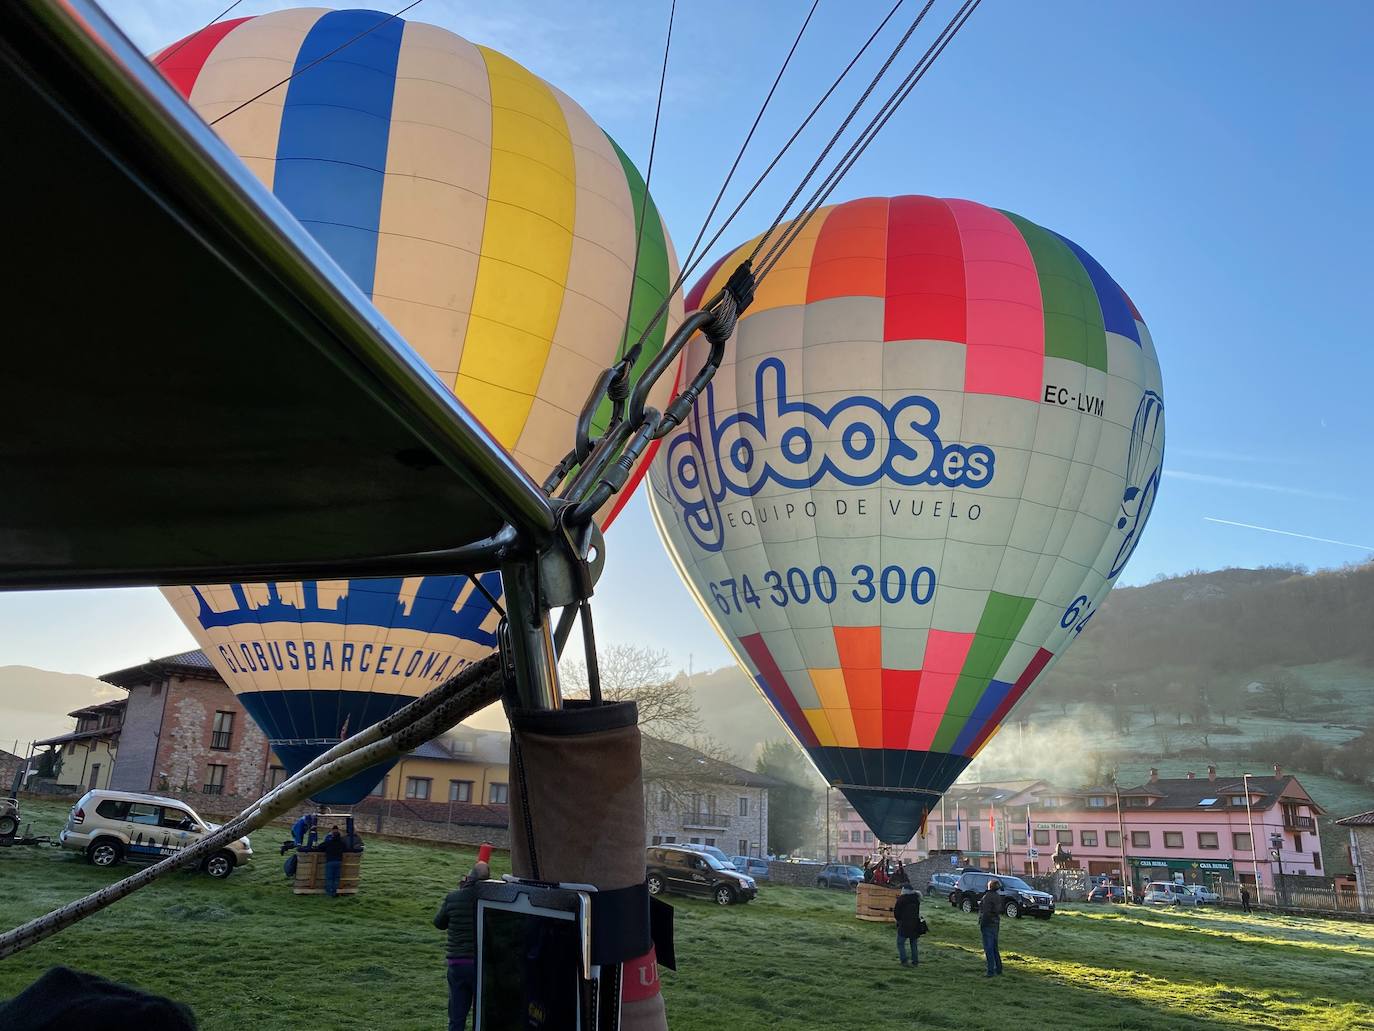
pixel 111 826
pixel 1169 893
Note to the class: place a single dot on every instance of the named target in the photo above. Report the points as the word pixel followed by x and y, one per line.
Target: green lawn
pixel 246 953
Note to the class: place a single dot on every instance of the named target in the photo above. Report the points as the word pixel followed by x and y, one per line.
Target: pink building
pixel 1201 827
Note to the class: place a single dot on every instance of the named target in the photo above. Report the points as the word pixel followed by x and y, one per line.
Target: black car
pixel 685 872
pixel 1018 898
pixel 1109 893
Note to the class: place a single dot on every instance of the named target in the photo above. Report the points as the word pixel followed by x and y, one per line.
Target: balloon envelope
pixel 494 224
pixel 934 444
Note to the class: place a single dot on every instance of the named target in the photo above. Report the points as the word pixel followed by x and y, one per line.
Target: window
pixel 951 836
pixel 1238 800
pixel 711 804
pixel 743 846
pixel 1208 802
pixel 696 803
pixel 1207 839
pixel 177 819
pixel 1173 839
pixel 418 787
pixel 711 842
pixel 460 791
pixel 275 775
pixel 498 794
pixel 157 689
pixel 1088 839
pixel 1097 801
pixel 1140 839
pixel 695 841
pixel 113 810
pixel 223 732
pixel 1018 836
pixel 214 779
pixel 1064 837
pixel 868 837
pixel 663 801
pixel 140 812
pixel 669 839
pixel 1113 839
pixel 1042 837
pixel 1317 860
pixel 744 805
pixel 975 838
pixel 844 836
pixel 1241 842
pixel 658 840
pixel 380 790
pixel 1297 842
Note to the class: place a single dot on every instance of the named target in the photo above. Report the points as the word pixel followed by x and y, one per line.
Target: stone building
pixel 11 766
pixel 185 732
pixel 691 798
pixel 1361 827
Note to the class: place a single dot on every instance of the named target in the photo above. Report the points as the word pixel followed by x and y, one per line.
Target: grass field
pixel 246 953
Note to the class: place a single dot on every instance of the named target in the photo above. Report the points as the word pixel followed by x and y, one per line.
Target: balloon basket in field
pixel 310 873
pixel 873 902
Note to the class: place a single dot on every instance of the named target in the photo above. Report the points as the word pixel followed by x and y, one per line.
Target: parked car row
pixel 840 875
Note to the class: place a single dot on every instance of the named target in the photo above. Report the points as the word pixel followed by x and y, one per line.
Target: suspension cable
pixel 322 57
pixel 835 137
pixel 177 49
pixel 632 355
pixel 706 222
pixel 856 149
pixel 690 265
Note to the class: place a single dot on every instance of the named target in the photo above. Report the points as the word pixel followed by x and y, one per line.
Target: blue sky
pixel 1214 157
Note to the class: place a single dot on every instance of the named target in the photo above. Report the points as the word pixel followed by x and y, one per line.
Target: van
pixel 112 826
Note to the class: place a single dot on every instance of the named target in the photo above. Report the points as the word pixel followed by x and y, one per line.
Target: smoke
pixel 1068 752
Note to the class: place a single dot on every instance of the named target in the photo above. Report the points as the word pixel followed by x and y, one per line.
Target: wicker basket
pixel 873 902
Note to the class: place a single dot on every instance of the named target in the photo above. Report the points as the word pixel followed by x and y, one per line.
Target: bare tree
pixel 678 757
pixel 629 673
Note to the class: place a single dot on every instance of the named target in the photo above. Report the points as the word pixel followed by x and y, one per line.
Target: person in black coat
pixel 333 846
pixel 907 910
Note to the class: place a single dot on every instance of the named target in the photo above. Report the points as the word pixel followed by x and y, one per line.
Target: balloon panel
pixel 494 224
pixel 934 443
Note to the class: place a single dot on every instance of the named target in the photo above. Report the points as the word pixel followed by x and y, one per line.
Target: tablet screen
pixel 530 964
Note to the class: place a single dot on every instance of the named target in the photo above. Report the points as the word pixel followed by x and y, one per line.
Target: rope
pixel 632 355
pixel 176 49
pixel 323 57
pixel 875 126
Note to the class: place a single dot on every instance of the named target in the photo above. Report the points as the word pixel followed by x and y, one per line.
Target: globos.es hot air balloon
pixel 496 226
pixel 933 448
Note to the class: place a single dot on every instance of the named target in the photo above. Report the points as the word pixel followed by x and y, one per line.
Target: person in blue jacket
pixel 299 828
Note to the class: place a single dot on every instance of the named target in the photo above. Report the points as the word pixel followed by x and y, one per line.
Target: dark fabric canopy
pixel 193 391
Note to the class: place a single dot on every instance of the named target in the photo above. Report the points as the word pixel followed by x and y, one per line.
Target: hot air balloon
pixel 936 444
pixel 507 238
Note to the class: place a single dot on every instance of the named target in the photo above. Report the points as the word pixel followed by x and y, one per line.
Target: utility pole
pixel 1127 878
pixel 1276 850
pixel 1254 851
pixel 827 823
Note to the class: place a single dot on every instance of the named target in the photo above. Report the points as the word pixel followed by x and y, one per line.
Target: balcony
pixel 693 820
pixel 1293 822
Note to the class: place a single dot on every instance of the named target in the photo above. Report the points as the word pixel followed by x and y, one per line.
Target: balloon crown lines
pixel 776 443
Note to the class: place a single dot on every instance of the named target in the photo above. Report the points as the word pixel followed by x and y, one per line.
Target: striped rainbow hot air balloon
pixel 934 444
pixel 494 224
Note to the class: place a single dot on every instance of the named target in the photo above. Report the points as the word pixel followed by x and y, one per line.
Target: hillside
pixel 34 703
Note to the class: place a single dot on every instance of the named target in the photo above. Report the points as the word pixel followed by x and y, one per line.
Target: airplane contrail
pixel 1290 533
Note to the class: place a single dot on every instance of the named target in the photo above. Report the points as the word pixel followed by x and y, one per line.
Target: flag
pixel 992 821
pixel 958 820
pixel 1028 826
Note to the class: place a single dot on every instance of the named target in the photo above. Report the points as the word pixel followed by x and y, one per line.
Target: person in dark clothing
pixel 989 922
pixel 1245 899
pixel 868 872
pixel 457 915
pixel 333 846
pixel 907 910
pixel 899 876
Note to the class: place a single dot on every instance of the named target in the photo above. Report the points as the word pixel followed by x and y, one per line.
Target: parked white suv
pixel 1168 893
pixel 110 826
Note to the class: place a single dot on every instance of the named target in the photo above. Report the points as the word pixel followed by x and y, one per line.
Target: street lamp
pixel 1254 852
